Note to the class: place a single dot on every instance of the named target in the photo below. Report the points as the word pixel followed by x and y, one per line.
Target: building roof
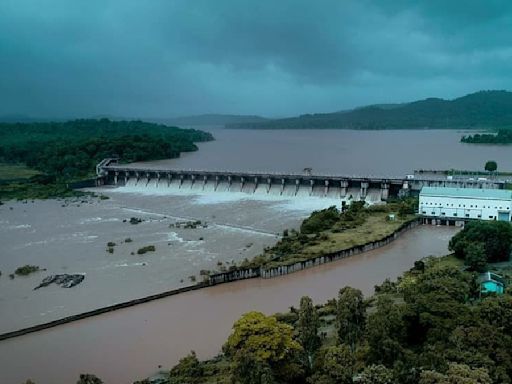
pixel 471 193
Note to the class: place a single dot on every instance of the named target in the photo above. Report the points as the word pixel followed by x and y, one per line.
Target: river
pixel 71 236
pixel 130 344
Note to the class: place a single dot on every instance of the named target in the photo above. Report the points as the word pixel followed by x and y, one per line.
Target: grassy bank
pixel 16 171
pixel 330 231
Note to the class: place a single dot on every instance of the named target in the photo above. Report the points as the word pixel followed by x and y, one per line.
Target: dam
pixel 347 188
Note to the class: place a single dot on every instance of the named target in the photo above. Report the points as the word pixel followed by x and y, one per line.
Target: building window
pixel 443 213
pixel 479 216
pixel 433 213
pixel 424 212
pixel 491 217
pixel 455 214
pixel 467 214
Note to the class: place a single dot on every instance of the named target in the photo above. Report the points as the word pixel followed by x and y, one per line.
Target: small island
pixel 503 136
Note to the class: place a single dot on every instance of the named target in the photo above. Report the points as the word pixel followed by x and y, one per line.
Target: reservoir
pixel 71 237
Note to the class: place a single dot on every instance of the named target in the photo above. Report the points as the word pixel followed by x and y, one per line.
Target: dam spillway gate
pixel 109 172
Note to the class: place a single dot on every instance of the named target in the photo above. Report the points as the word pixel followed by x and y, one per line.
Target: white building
pixel 465 203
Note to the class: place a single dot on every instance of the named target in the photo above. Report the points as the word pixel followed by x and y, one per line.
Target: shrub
pixel 147 248
pixel 26 270
pixel 320 220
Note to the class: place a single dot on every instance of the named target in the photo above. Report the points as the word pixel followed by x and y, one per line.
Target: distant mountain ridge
pixel 211 119
pixel 483 109
pixel 195 120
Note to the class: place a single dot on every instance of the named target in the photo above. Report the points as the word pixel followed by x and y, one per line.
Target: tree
pixel 87 378
pixel 187 371
pixel 376 374
pixel 337 366
pixel 350 316
pixel 248 370
pixel 385 331
pixel 495 235
pixel 456 374
pixel 268 342
pixel 307 328
pixel 475 259
pixel 491 166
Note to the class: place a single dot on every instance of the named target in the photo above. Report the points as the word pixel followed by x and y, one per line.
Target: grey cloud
pixel 162 58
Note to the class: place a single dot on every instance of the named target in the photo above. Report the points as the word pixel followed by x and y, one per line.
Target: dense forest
pixel 503 136
pixel 485 109
pixel 67 151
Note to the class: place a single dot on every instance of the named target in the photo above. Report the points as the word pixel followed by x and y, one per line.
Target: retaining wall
pixel 266 273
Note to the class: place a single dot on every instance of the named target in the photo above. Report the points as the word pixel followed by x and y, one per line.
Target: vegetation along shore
pixel 40 160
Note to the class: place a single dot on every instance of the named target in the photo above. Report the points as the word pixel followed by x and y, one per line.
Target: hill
pixel 480 110
pixel 210 120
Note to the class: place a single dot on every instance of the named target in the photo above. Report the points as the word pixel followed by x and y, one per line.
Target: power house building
pixel 465 203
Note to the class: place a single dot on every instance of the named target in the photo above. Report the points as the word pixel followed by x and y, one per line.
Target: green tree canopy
pixel 268 342
pixel 491 166
pixel 496 237
pixel 187 371
pixel 456 374
pixel 307 328
pixel 350 316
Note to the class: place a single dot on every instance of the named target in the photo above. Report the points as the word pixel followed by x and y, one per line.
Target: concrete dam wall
pixel 273 184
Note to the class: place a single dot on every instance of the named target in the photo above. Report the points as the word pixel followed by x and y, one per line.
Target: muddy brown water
pixel 130 344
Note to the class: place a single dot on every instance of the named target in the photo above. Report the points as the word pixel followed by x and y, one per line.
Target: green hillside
pixel 62 152
pixel 480 110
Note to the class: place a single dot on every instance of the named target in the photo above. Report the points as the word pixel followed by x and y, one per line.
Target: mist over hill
pixel 484 109
pixel 210 119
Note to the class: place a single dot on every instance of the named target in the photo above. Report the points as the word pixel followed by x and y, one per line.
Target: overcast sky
pixel 78 58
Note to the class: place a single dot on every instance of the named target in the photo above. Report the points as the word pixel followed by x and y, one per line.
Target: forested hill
pixel 71 149
pixel 484 109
